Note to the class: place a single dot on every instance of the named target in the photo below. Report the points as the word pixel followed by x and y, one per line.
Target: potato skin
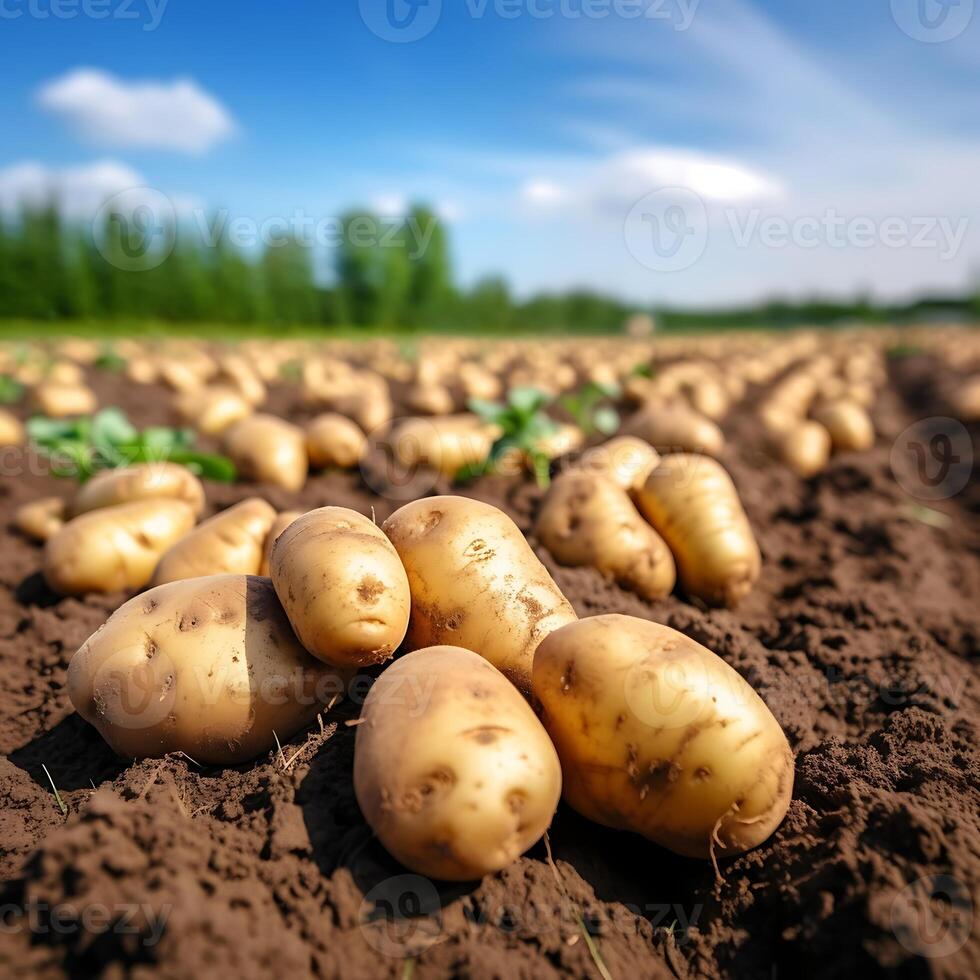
pixel 452 770
pixel 693 503
pixel 279 525
pixel 849 425
pixel 586 519
pixel 209 667
pixel 114 548
pixel 141 482
pixel 40 519
pixel 626 460
pixel 658 735
pixel 343 587
pixel 805 448
pixel 476 582
pixel 11 430
pixel 333 440
pixel 670 428
pixel 270 450
pixel 228 543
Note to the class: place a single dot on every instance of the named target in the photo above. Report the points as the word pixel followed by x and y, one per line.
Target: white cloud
pixel 389 205
pixel 106 110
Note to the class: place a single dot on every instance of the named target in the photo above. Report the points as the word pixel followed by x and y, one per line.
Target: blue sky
pixel 794 148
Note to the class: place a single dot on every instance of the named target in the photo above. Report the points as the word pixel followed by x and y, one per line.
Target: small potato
pixel 343 587
pixel 849 425
pixel 269 450
pixel 228 543
pixel 626 460
pixel 40 519
pixel 430 399
pixel 693 503
pixel 279 525
pixel 61 400
pixel 675 428
pixel 446 443
pixel 586 519
pixel 476 582
pixel 144 481
pixel 209 667
pixel 452 770
pixel 212 410
pixel 805 448
pixel 114 548
pixel 11 430
pixel 333 440
pixel 658 735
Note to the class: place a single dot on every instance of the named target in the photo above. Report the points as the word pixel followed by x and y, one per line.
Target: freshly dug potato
pixel 209 667
pixel 587 519
pixel 115 547
pixel 452 770
pixel 228 543
pixel 965 400
pixel 279 525
pixel 270 450
pixel 11 430
pixel 431 399
pixel 445 443
pixel 333 440
pixel 343 587
pixel 476 582
pixel 849 425
pixel 675 428
pixel 626 460
pixel 658 735
pixel 40 519
pixel 212 410
pixel 693 503
pixel 61 400
pixel 805 448
pixel 143 481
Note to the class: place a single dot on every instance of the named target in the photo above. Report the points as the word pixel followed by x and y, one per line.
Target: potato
pixel 658 735
pixel 209 667
pixel 805 448
pixel 849 425
pixel 476 582
pixel 446 443
pixel 212 410
pixel 57 400
pixel 694 505
pixel 452 770
pixel 343 587
pixel 115 547
pixel 40 519
pixel 143 481
pixel 965 400
pixel 269 450
pixel 228 543
pixel 430 399
pixel 675 428
pixel 279 525
pixel 11 430
pixel 587 519
pixel 333 440
pixel 626 460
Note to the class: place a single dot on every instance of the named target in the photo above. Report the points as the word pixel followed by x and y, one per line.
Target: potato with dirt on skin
pixel 849 425
pixel 805 448
pixel 40 519
pixel 670 427
pixel 279 525
pixel 452 770
pixel 268 449
pixel 12 431
pixel 343 587
pixel 143 481
pixel 658 735
pixel 475 582
pixel 334 440
pixel 228 543
pixel 691 501
pixel 587 519
pixel 208 667
pixel 626 460
pixel 114 548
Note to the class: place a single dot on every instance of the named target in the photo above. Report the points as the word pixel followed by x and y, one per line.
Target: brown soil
pixel 862 636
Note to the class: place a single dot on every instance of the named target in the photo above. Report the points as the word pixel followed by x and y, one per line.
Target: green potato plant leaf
pixel 585 408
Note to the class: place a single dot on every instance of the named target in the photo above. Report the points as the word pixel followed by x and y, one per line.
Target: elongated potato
pixel 333 440
pixel 805 448
pixel 343 587
pixel 228 543
pixel 270 450
pixel 143 481
pixel 693 503
pixel 670 428
pixel 849 425
pixel 40 519
pixel 452 770
pixel 279 525
pixel 627 460
pixel 209 667
pixel 446 443
pixel 115 547
pixel 58 400
pixel 11 430
pixel 586 519
pixel 658 735
pixel 476 583
pixel 212 410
